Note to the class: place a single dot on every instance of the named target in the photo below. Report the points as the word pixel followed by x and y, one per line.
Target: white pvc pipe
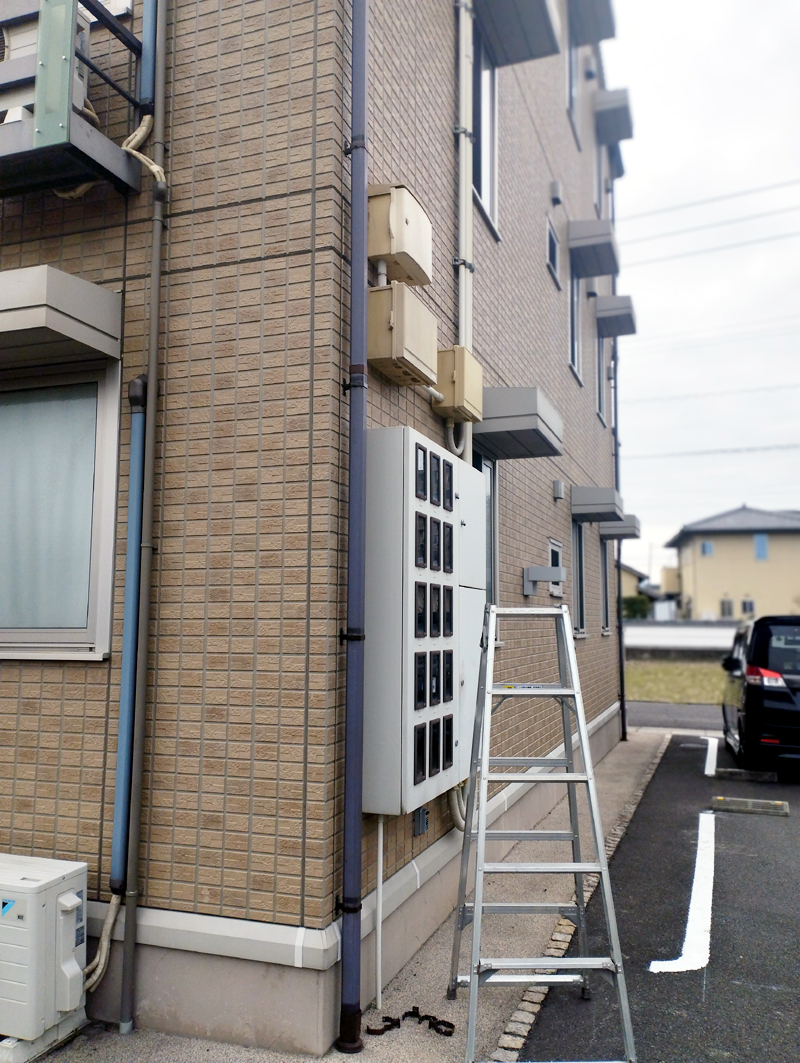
pixel 379 921
pixel 433 394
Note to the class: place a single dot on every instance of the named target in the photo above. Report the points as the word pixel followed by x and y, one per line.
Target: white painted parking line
pixel 711 756
pixel 697 940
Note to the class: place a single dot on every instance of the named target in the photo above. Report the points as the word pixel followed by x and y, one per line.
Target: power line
pixel 711 225
pixel 713 199
pixel 712 333
pixel 685 346
pixel 710 394
pixel 704 453
pixel 712 250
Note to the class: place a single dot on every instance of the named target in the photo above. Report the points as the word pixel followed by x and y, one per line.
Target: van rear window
pixel 777 647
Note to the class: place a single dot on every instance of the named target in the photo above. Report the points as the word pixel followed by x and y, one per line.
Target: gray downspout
pixel 349 1039
pixel 132 888
pixel 623 710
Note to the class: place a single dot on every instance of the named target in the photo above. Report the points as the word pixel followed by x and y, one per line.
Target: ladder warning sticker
pixel 6 907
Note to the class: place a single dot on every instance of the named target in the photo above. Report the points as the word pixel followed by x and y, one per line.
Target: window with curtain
pixel 47 443
pixel 58 483
pixel 605 605
pixel 575 323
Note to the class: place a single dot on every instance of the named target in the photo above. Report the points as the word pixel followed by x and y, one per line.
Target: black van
pixel 761 700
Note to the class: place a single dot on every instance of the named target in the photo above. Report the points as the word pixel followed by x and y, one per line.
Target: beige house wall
pixel 732 572
pixel 244 757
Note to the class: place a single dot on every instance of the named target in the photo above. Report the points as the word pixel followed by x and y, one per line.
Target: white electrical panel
pixel 42 947
pixel 426 590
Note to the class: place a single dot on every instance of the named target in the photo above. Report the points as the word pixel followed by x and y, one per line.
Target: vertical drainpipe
pixel 464 260
pixel 349 1039
pixel 137 396
pixel 153 12
pixel 623 709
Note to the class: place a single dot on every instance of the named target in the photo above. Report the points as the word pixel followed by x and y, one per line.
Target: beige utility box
pixel 461 384
pixel 401 335
pixel 400 232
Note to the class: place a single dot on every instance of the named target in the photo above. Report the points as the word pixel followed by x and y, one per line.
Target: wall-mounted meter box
pixel 461 385
pixel 400 233
pixel 426 591
pixel 42 951
pixel 401 335
pixel 49 135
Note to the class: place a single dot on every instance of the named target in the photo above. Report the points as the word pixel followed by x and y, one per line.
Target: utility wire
pixel 712 333
pixel 704 453
pixel 712 250
pixel 713 199
pixel 711 225
pixel 685 346
pixel 711 394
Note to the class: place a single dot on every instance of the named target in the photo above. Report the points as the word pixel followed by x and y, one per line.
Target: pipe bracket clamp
pixel 353 634
pixel 457 262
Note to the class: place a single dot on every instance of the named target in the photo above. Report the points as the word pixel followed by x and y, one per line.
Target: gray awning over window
pixel 518 423
pixel 518 30
pixel 612 116
pixel 627 528
pixel 616 166
pixel 596 504
pixel 49 316
pixel 592 248
pixel 615 316
pixel 590 21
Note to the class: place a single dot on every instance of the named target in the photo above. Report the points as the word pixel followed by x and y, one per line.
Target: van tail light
pixel 763 677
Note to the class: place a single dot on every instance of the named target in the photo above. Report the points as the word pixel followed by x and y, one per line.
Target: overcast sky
pixel 716 110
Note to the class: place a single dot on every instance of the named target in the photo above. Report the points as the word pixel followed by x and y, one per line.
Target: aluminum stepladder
pixel 533 971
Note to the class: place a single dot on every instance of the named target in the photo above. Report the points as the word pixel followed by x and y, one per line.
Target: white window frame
pixel 601 378
pixel 484 123
pixel 555 547
pixel 706 548
pixel 554 267
pixel 726 608
pixel 578 578
pixel 93 642
pixel 573 82
pixel 605 596
pixel 758 539
pixel 752 610
pixel 575 296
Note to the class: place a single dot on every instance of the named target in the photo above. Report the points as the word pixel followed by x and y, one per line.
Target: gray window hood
pixel 518 423
pixel 612 116
pixel 49 316
pixel 590 21
pixel 592 248
pixel 519 30
pixel 627 528
pixel 596 504
pixel 615 316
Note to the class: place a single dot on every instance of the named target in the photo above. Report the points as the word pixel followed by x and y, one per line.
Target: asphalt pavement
pixel 675 717
pixel 744 1006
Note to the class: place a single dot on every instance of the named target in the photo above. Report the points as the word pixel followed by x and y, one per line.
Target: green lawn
pixel 697 682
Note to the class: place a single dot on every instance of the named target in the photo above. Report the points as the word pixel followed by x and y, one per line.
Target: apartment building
pixel 205 762
pixel 739 565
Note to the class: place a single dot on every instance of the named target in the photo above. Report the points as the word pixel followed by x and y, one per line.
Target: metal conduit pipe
pixel 132 882
pixel 137 393
pixel 349 1039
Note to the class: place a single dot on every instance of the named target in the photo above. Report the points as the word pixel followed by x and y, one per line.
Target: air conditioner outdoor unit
pixel 42 954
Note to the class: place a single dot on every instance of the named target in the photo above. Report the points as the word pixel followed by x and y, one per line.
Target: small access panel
pixel 426 564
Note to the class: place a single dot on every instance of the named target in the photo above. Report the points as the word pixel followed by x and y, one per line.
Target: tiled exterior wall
pixel 243 765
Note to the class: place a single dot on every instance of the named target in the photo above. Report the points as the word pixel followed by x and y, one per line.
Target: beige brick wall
pixel 244 757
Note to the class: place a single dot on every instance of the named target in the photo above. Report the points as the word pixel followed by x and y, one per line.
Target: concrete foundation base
pixel 296 1009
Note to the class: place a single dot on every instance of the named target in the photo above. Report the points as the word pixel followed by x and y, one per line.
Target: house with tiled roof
pixel 739 564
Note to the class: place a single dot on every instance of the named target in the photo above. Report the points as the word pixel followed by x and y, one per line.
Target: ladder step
pixel 532 611
pixel 539 963
pixel 527 835
pixel 536 776
pixel 540 869
pixel 532 690
pixel 524 908
pixel 500 978
pixel 527 762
